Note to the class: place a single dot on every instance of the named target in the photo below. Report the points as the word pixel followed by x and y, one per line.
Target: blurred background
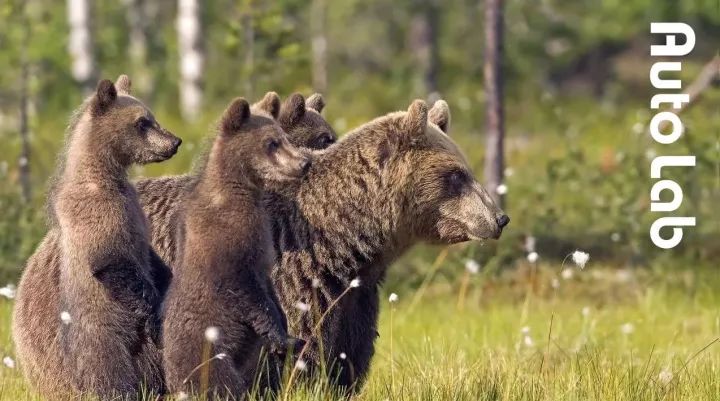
pixel 577 151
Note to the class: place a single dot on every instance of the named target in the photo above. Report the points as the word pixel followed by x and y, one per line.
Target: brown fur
pixel 163 196
pixel 387 185
pixel 103 272
pixel 221 279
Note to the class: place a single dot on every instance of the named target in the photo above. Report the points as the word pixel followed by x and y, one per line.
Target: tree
pixel 192 58
pixel 494 152
pixel 423 44
pixel 318 12
pixel 80 45
pixel 137 22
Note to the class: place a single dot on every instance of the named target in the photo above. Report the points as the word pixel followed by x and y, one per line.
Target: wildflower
pixel 638 128
pixel 627 328
pixel 8 291
pixel 302 306
pixel 501 189
pixel 586 311
pixel 528 341
pixel 221 356
pixel 9 362
pixel 533 257
pixel 343 355
pixel 65 317
pixel 509 172
pixel 315 283
pixel 665 376
pixel 300 365
pixel 393 298
pixel 212 334
pixel 472 266
pixel 567 273
pixel 182 396
pixel 580 258
pixel 555 283
pixel 615 237
pixel 525 330
pixel 355 283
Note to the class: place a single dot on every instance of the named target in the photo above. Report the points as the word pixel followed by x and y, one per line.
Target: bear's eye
pixel 455 180
pixel 273 145
pixel 143 124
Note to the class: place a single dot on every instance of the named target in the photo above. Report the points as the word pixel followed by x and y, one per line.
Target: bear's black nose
pixel 503 220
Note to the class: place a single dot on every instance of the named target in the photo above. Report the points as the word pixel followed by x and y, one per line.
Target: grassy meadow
pixel 534 333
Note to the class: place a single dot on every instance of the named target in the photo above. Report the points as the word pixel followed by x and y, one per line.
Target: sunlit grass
pixel 616 335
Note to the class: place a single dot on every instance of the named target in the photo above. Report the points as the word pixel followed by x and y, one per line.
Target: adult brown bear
pixel 391 183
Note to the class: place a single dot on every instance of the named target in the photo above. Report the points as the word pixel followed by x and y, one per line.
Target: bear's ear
pixel 440 115
pixel 123 84
pixel 292 111
pixel 235 116
pixel 270 104
pixel 315 102
pixel 415 121
pixel 105 96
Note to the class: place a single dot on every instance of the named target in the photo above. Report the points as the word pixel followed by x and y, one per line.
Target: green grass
pixel 440 352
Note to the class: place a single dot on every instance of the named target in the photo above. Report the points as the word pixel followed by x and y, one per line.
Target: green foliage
pixel 576 83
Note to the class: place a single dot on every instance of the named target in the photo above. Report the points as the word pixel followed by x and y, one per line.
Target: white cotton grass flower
pixel 343 355
pixel 665 376
pixel 528 341
pixel 533 257
pixel 525 330
pixel 585 311
pixel 65 317
pixel 567 273
pixel 393 298
pixel 8 291
pixel 615 237
pixel 509 172
pixel 9 362
pixel 302 306
pixel 315 283
pixel 529 244
pixel 501 189
pixel 472 266
pixel 182 396
pixel 301 365
pixel 212 334
pixel 580 258
pixel 355 283
pixel 627 328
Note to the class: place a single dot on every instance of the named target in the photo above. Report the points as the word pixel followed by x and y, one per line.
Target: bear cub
pixel 221 306
pixel 109 289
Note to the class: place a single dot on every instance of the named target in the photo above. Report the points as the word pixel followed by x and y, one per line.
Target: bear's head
pixel 122 129
pixel 444 201
pixel 252 144
pixel 303 123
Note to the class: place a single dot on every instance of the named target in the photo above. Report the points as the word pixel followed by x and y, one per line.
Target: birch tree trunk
pixel 192 58
pixel 494 152
pixel 80 44
pixel 318 21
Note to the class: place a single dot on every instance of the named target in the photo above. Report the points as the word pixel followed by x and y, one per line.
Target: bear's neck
pixel 345 215
pixel 86 164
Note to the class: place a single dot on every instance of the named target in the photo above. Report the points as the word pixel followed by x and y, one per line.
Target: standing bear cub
pixel 102 314
pixel 224 255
